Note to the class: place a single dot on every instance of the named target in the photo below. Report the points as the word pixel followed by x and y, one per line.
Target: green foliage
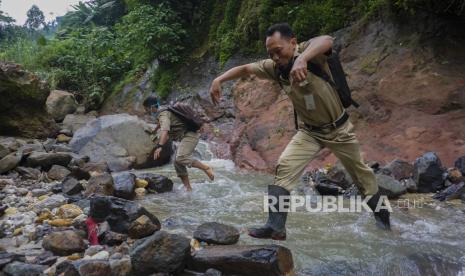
pixel 164 79
pixel 455 7
pixel 150 32
pixel 35 18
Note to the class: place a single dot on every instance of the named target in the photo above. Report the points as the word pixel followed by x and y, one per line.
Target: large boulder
pixel 64 243
pixel 24 269
pixel 100 185
pixel 60 103
pixel 216 233
pixel 428 173
pixel 460 164
pixel 244 259
pixel 121 140
pixel 22 108
pixel 398 169
pixel 73 122
pixel 454 191
pixel 161 252
pixel 118 212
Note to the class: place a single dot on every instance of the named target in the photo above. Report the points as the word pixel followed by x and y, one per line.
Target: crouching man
pixel 172 125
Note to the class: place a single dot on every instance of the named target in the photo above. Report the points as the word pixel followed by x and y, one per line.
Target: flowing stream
pixel 426 240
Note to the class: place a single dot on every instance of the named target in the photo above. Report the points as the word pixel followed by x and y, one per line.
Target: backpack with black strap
pixel 338 80
pixel 187 115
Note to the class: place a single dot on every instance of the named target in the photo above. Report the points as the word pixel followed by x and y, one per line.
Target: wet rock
pixel 455 191
pixel 460 164
pixel 58 148
pixel 118 212
pixel 157 183
pixel 50 202
pixel 58 172
pixel 398 169
pixel 161 252
pixel 100 185
pixel 428 173
pixel 124 185
pixel 23 269
pixel 96 167
pixel 338 175
pixel 140 192
pixel 3 151
pixel 112 238
pixel 101 255
pixel 64 243
pixel 10 162
pixel 73 122
pixel 216 233
pixel 114 138
pixel 142 227
pixel 71 186
pixel 6 182
pixel 29 173
pixel 29 148
pixel 244 259
pixel 20 117
pixel 66 132
pixel 121 267
pixel 92 250
pixel 389 186
pixel 69 211
pixel 47 160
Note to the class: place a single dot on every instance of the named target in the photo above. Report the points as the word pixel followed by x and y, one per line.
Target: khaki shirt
pixel 168 121
pixel 316 102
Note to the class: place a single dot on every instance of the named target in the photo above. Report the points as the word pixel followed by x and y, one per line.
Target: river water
pixel 427 239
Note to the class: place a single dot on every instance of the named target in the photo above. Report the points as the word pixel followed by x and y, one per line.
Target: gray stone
pixel 216 233
pixel 50 202
pixel 100 185
pixel 29 173
pixel 47 160
pixel 389 186
pixel 121 267
pixel 114 139
pixel 460 164
pixel 399 169
pixel 71 186
pixel 124 185
pixel 64 243
pixel 161 252
pixel 73 122
pixel 23 269
pixel 244 259
pixel 156 183
pixel 58 172
pixel 10 162
pixel 428 173
pixel 60 103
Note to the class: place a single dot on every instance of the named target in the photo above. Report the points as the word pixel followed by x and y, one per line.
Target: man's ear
pixel 294 41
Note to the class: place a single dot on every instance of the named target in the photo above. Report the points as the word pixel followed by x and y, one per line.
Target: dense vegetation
pixel 103 44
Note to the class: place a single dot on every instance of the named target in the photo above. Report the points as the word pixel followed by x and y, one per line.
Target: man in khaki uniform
pixel 322 121
pixel 170 126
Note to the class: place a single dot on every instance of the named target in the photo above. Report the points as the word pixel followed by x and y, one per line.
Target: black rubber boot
pixel 382 216
pixel 275 227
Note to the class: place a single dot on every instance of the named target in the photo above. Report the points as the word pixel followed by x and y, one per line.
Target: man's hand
pixel 299 70
pixel 215 91
pixel 156 154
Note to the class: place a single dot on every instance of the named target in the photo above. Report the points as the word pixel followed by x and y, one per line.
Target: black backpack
pixel 339 81
pixel 187 115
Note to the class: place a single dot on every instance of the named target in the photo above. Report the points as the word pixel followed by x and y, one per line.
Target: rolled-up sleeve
pixel 164 120
pixel 264 69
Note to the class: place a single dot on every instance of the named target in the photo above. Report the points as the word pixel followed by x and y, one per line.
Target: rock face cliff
pixel 22 104
pixel 408 77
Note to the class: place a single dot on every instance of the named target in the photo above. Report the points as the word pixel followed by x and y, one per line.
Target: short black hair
pixel 283 28
pixel 150 101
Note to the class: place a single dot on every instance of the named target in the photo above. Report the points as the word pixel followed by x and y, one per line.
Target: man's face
pixel 280 49
pixel 150 110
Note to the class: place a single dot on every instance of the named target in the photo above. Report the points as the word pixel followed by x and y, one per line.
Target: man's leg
pixel 347 149
pixel 291 164
pixel 184 158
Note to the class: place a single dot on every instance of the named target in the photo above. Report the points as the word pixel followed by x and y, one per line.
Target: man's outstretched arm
pixel 231 74
pixel 317 46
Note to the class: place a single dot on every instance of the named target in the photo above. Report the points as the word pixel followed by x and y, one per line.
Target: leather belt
pixel 339 122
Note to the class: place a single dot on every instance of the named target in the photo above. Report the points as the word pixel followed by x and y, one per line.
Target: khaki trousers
pixel 305 145
pixel 184 152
